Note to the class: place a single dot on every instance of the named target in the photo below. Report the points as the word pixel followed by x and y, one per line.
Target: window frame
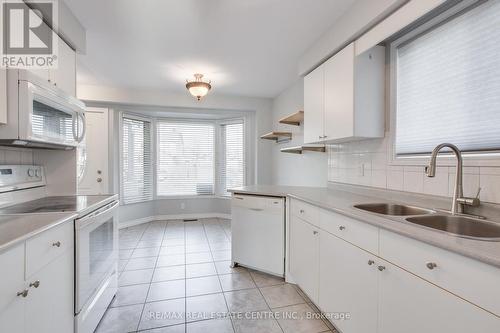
pixel 120 154
pixel 219 151
pixel 445 159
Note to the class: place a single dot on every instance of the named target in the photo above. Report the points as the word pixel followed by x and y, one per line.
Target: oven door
pixel 96 251
pixel 48 116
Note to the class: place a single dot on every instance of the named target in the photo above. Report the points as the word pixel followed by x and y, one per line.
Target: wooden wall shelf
pixel 300 149
pixel 293 119
pixel 277 136
pixel 320 149
pixel 292 150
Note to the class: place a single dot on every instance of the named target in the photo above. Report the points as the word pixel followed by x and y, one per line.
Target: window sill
pixel 469 160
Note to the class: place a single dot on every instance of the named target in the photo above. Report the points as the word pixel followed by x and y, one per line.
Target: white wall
pixel 362 16
pixel 116 99
pixel 308 169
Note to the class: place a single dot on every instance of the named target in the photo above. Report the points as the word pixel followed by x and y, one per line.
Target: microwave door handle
pixel 74 127
pixel 84 127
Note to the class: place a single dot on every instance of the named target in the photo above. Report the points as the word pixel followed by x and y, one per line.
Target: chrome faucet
pixel 459 201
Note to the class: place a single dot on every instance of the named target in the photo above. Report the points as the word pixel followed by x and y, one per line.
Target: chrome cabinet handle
pixel 257 209
pixel 57 244
pixel 381 268
pixel 431 265
pixel 23 293
pixel 35 284
pixel 342 227
pixel 370 262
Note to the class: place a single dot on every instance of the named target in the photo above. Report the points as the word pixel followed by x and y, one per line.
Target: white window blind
pixel 185 158
pixel 448 84
pixel 137 176
pixel 232 169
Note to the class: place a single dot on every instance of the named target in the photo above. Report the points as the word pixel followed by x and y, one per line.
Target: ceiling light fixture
pixel 198 88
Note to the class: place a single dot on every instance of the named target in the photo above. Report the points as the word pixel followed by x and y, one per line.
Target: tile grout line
pixel 269 307
pixel 218 279
pixel 150 281
pixel 185 279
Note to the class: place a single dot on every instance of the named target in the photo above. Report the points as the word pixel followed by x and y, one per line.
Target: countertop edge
pixel 70 217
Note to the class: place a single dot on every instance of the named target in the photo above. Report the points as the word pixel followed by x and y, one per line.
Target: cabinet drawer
pixel 42 249
pixel 470 279
pixel 305 211
pixel 356 232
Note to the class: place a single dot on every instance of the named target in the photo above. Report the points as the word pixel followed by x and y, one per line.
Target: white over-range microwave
pixel 40 115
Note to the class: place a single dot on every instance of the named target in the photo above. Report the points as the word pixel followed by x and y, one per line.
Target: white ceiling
pixel 246 47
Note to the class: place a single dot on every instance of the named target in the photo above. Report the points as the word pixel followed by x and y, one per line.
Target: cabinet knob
pixel 35 284
pixel 301 211
pixel 431 265
pixel 57 244
pixel 99 180
pixel 381 268
pixel 370 262
pixel 23 293
pixel 342 227
pixel 315 232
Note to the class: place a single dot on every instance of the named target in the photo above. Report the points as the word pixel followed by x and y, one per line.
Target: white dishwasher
pixel 258 232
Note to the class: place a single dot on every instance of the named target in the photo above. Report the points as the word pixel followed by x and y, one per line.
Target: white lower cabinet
pixel 410 304
pixel 304 256
pixel 49 307
pixel 351 271
pixel 12 305
pixel 41 301
pixel 348 280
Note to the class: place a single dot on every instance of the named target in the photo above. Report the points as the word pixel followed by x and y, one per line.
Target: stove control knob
pixel 31 172
pixel 37 173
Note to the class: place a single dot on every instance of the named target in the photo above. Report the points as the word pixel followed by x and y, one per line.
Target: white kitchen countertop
pixel 341 201
pixel 17 228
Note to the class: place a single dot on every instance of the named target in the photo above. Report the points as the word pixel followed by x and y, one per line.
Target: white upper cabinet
pixel 346 97
pixel 64 77
pixel 314 101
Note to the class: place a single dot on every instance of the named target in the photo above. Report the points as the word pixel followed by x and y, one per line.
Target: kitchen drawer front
pixel 470 279
pixel 42 249
pixel 359 233
pixel 305 211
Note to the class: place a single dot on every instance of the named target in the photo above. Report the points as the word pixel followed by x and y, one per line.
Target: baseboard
pixel 147 219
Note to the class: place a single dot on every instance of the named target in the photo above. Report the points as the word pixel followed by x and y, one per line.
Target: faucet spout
pixel 430 171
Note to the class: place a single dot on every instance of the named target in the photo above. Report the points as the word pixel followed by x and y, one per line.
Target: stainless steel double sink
pixel 460 226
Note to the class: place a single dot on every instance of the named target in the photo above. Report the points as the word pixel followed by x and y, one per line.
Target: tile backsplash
pixel 10 155
pixel 367 163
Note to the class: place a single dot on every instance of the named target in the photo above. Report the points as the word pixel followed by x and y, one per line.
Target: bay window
pixel 191 157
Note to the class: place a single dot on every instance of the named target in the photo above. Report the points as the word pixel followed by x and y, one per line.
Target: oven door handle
pixel 82 222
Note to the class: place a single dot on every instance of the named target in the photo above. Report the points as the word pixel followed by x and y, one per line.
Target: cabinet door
pixel 12 281
pixel 410 304
pixel 314 106
pixel 348 283
pixel 64 77
pixel 49 307
pixel 339 94
pixel 304 256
